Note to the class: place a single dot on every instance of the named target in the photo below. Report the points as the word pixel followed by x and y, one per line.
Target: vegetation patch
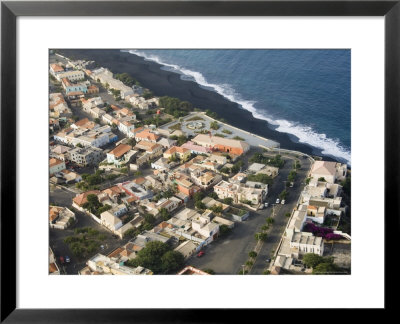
pixel 159 258
pixel 85 241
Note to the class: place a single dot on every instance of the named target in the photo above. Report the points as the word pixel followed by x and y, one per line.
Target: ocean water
pixel 305 93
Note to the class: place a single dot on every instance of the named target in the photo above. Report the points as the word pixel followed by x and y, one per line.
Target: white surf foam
pixel 304 134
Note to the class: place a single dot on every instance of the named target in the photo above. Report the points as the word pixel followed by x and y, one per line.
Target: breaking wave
pixel 304 134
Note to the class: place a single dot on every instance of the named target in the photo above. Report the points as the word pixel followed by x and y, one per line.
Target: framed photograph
pixel 211 138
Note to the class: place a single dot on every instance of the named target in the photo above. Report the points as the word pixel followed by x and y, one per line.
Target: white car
pixel 266 205
pixel 283 201
pixel 277 201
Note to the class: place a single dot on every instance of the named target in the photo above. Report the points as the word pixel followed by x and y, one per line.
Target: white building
pixel 70 75
pixel 304 242
pixel 101 264
pixel 330 171
pixel 109 220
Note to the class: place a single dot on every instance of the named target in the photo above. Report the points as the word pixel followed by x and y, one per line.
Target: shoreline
pixel 166 83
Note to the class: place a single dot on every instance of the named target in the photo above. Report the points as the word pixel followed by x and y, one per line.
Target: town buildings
pixel 86 156
pixel 221 144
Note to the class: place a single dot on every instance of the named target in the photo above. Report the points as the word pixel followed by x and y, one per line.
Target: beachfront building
pixel 72 87
pixel 196 149
pixel 217 143
pixel 105 76
pixel 330 171
pixel 72 76
pixel 56 69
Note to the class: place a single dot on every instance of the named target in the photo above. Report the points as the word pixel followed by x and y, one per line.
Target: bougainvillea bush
pixel 326 233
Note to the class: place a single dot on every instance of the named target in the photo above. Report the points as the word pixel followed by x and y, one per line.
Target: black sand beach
pixel 165 83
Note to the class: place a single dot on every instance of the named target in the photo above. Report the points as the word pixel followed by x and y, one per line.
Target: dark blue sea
pixel 305 93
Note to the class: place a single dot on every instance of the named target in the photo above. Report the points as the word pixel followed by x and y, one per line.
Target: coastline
pixel 166 83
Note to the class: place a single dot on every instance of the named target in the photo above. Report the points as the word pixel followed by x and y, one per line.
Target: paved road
pixel 227 255
pixel 280 220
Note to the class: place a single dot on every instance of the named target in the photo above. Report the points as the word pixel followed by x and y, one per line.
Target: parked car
pixel 277 201
pixel 200 254
pixel 268 260
pixel 291 185
pixel 62 259
pixel 283 201
pixel 266 205
pixel 67 259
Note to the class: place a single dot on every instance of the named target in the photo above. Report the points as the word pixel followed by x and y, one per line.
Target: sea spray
pixel 303 133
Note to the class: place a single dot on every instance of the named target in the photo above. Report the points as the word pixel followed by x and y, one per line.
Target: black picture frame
pixel 9 13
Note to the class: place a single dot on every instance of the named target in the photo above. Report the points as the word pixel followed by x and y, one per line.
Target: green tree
pixel 213 195
pixel 132 232
pixel 149 218
pixel 228 201
pixel 264 227
pixel 217 209
pixel 346 184
pixel 214 125
pixel 200 205
pixel 165 214
pixel 311 260
pixel 150 257
pixel 224 230
pixel 148 95
pixel 261 236
pixel 322 179
pixel 252 254
pixel 172 261
pixel 326 268
pixel 198 196
pixel 283 195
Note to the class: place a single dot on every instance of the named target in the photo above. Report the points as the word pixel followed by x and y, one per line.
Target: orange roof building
pixel 55 68
pixel 146 135
pixel 181 152
pixel 81 199
pixel 56 165
pixel 120 150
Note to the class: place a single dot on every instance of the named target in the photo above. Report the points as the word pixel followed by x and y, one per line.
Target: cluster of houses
pixel 181 170
pixel 321 198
